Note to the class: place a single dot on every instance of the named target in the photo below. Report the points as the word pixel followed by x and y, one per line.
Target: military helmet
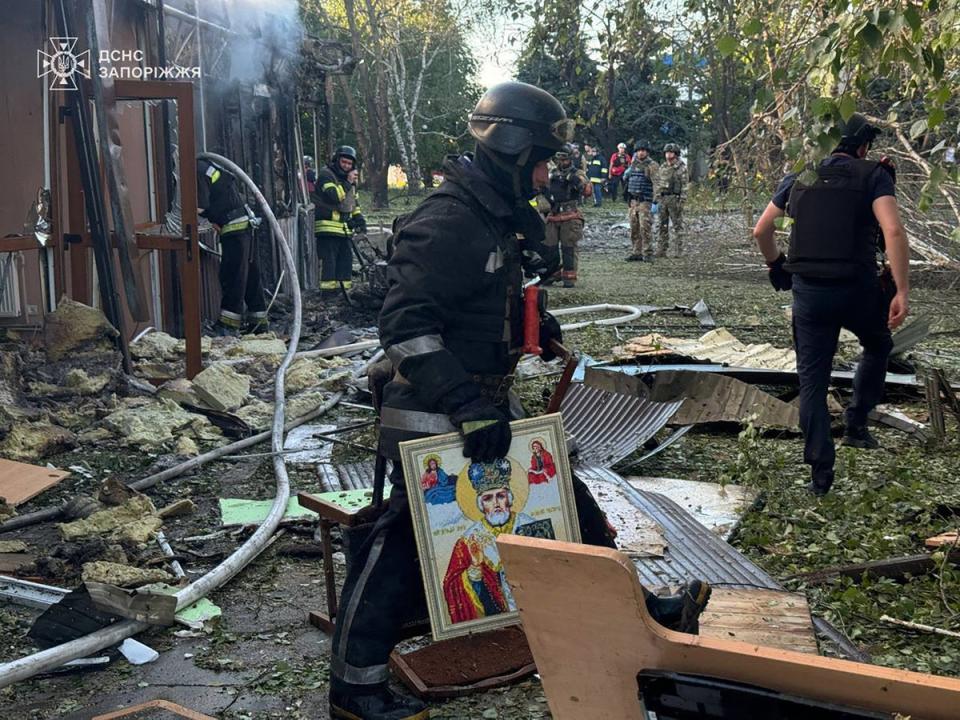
pixel 513 117
pixel 858 131
pixel 672 147
pixel 345 151
pixel 565 152
pixel 642 145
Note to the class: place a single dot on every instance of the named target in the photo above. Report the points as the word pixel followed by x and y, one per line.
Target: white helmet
pixel 621 146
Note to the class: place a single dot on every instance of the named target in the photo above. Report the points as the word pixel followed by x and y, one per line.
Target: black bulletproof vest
pixel 561 189
pixel 834 233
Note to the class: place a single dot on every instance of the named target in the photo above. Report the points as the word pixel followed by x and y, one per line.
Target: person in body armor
pixel 639 180
pixel 337 217
pixel 565 221
pixel 840 223
pixel 597 173
pixel 242 307
pixel 452 327
pixel 671 193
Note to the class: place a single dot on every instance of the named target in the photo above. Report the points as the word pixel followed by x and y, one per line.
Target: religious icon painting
pixel 460 507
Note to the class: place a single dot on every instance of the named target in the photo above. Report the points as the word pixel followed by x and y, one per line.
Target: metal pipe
pixel 54 657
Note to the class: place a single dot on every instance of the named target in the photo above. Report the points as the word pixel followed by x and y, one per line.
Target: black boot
pixel 820 482
pixel 381 704
pixel 681 612
pixel 859 437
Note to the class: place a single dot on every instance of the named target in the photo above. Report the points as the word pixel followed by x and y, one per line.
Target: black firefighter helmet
pixel 513 118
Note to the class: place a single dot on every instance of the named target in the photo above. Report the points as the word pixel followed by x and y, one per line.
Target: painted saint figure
pixel 438 487
pixel 474 585
pixel 542 467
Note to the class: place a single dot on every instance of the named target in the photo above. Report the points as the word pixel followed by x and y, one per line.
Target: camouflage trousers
pixel 671 213
pixel 567 235
pixel 641 228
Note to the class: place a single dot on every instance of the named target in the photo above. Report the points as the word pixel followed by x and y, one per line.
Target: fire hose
pixel 54 657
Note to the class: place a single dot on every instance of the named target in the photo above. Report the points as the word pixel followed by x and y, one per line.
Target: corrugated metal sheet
pixel 693 552
pixel 609 427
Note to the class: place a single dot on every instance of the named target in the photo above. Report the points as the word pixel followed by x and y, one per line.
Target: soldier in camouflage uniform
pixel 671 193
pixel 565 221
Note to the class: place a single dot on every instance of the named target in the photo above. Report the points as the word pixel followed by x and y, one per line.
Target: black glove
pixel 486 430
pixel 549 330
pixel 779 277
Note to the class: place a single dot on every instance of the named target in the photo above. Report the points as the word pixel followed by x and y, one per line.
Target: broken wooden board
pixel 947 538
pixel 465 665
pixel 760 617
pixel 717 507
pixel 20 482
pixel 706 397
pixel 890 416
pixel 155 710
pixel 11 562
pixel 585 618
pixel 240 511
pixel 894 568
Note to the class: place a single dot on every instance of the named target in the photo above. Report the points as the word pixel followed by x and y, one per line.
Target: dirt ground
pixel 265 661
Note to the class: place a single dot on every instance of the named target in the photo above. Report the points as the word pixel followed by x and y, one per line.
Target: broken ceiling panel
pixel 607 426
pixel 718 346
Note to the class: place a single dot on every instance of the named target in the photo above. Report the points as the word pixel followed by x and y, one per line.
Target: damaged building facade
pixel 103 101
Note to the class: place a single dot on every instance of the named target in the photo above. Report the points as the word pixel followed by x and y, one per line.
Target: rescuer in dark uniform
pixel 451 325
pixel 840 223
pixel 565 221
pixel 337 217
pixel 220 202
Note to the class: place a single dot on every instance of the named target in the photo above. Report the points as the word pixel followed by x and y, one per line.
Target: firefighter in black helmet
pixel 451 326
pixel 842 223
pixel 337 217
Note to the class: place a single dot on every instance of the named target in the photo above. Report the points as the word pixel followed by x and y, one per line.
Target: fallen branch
pixel 919 627
pixel 894 568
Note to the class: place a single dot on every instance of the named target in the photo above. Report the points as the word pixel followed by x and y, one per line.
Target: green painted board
pixel 239 511
pixel 352 500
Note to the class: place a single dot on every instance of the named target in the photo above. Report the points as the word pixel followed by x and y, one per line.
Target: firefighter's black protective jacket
pixel 218 195
pixel 451 322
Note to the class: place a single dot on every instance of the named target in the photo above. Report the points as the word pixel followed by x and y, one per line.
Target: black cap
pixel 858 131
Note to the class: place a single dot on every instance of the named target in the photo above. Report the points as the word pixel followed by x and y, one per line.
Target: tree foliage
pixel 406 101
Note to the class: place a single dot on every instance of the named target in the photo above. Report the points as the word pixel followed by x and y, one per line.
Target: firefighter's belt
pixel 492 387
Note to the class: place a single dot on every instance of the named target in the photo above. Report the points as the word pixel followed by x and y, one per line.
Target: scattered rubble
pixel 32 440
pixel 74 328
pixel 717 346
pixel 152 423
pixel 253 345
pixel 135 520
pixel 222 388
pixel 124 576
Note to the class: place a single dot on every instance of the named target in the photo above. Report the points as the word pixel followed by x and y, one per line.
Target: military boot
pixel 681 612
pixel 383 704
pixel 859 437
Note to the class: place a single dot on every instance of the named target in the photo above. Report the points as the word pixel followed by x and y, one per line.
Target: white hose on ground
pixel 629 314
pixel 54 657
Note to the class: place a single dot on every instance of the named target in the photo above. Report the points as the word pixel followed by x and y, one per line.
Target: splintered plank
pixel 760 617
pixel 20 482
pixel 155 710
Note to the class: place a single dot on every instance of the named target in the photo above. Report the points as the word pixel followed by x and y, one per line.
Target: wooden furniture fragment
pixel 585 619
pixel 464 665
pixel 20 482
pixel 771 618
pixel 155 710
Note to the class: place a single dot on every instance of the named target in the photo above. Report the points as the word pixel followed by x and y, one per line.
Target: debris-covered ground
pixel 77 410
